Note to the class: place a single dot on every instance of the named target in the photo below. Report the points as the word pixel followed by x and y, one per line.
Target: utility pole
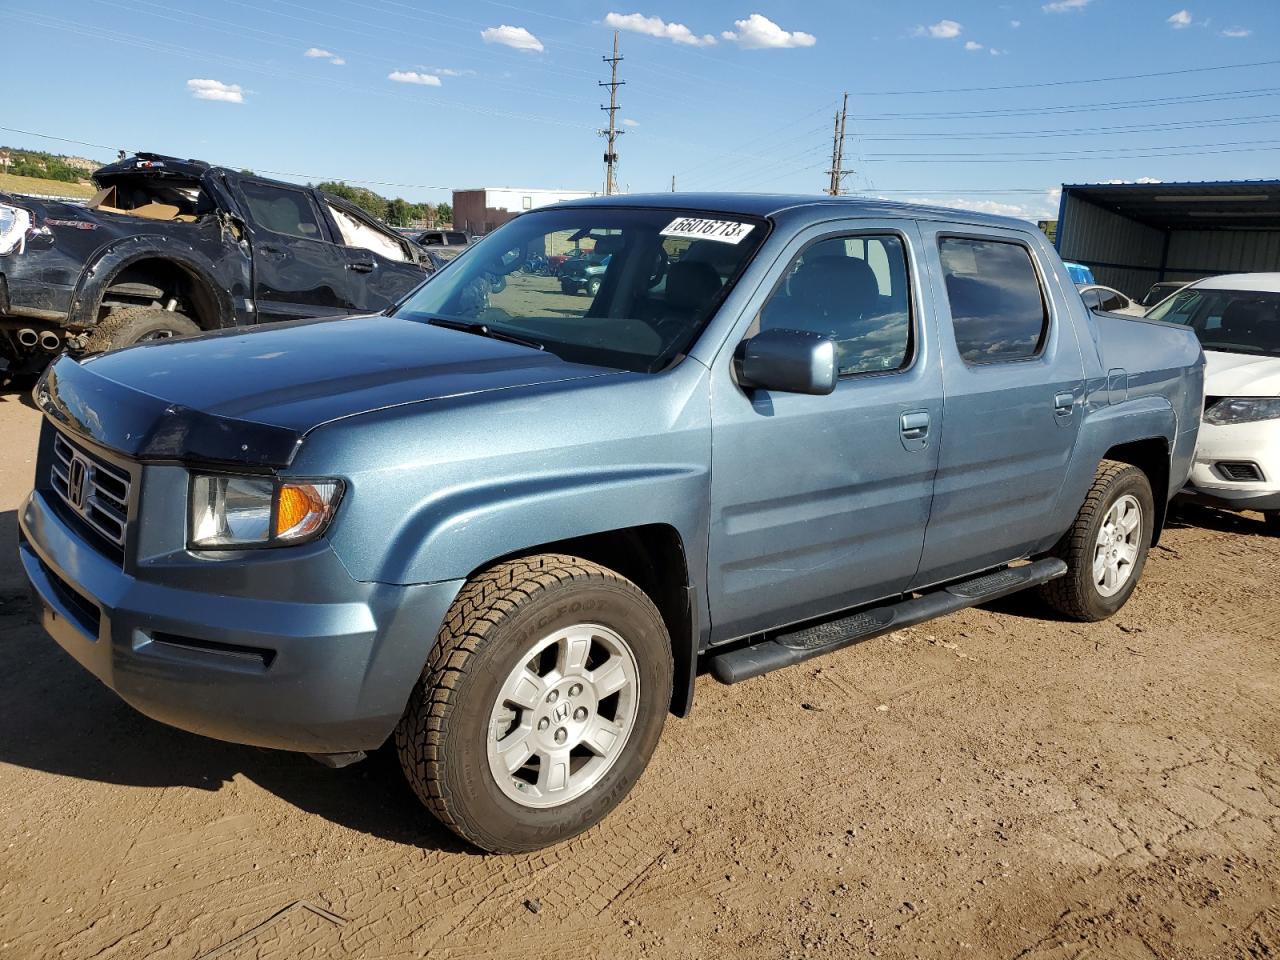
pixel 613 133
pixel 837 171
pixel 673 183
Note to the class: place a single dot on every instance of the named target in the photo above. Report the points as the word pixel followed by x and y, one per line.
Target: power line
pixel 837 171
pixel 1171 126
pixel 1067 83
pixel 1068 154
pixel 1160 155
pixel 1075 108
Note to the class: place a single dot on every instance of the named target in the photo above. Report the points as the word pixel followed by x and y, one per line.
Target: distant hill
pixel 44 187
pixel 46 166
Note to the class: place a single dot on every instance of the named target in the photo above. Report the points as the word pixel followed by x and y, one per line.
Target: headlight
pixel 1243 410
pixel 14 223
pixel 229 512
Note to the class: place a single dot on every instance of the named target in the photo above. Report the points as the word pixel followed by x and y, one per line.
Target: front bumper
pixel 1255 446
pixel 329 675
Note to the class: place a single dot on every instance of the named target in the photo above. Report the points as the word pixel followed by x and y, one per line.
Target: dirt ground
pixel 991 785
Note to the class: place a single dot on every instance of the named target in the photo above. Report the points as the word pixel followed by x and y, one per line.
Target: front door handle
pixel 1063 404
pixel 361 266
pixel 915 426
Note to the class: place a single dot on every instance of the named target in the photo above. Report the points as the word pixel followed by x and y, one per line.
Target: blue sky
pixel 414 97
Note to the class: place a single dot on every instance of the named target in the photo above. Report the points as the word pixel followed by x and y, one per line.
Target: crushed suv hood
pixel 249 396
pixel 1241 375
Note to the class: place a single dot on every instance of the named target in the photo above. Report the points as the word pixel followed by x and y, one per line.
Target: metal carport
pixel 1134 234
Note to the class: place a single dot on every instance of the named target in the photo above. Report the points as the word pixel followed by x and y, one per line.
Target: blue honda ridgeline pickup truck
pixel 503 524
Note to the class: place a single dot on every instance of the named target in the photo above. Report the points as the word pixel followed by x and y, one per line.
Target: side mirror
pixel 788 361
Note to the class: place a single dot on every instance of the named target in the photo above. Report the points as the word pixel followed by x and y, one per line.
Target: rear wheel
pixel 593 286
pixel 541 704
pixel 1106 548
pixel 124 328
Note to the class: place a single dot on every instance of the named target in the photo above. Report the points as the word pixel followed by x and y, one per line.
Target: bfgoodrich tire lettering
pixel 499 616
pixel 1118 489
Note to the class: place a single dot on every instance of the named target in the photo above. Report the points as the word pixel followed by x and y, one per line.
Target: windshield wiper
pixel 484 330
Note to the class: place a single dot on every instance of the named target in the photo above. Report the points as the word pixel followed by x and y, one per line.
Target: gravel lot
pixel 991 785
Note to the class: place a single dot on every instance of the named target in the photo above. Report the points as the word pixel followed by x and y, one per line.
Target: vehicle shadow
pixel 18 391
pixel 60 719
pixel 1184 515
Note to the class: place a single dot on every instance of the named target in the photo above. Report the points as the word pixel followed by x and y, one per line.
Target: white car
pixel 1237 318
pixel 1098 297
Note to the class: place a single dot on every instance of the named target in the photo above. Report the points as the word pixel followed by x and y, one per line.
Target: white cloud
pixel 1065 6
pixel 449 72
pixel 322 54
pixel 412 76
pixel 216 90
pixel 1237 33
pixel 1139 180
pixel 657 27
pixel 942 30
pixel 758 32
pixel 1015 24
pixel 1180 20
pixel 628 122
pixel 973 45
pixel 518 38
pixel 996 53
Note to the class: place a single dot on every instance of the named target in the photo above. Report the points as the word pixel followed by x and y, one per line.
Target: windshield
pixel 655 279
pixel 1231 321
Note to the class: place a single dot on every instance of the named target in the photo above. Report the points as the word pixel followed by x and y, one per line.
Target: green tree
pixel 365 199
pixel 399 213
pixel 444 212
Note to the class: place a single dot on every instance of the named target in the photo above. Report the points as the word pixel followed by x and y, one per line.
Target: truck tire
pixel 540 704
pixel 593 286
pixel 1271 519
pixel 123 328
pixel 1106 547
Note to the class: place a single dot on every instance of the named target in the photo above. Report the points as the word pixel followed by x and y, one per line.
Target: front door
pixel 1014 383
pixel 298 271
pixel 820 502
pixel 380 267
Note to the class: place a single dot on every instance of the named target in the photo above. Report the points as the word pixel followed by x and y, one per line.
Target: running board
pixel 797 646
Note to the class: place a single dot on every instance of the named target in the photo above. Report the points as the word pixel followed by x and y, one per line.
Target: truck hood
pixel 249 396
pixel 1241 375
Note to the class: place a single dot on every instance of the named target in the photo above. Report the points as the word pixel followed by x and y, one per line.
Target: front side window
pixel 357 233
pixel 1230 321
pixel 997 307
pixel 853 290
pixel 282 210
pixel 634 290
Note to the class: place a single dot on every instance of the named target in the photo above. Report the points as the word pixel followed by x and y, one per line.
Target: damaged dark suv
pixel 170 247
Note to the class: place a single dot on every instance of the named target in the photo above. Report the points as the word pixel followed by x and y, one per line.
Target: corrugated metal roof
pixel 1210 205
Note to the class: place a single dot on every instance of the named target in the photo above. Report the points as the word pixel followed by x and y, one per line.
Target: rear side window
pixel 1112 300
pixel 997 307
pixel 456 239
pixel 1092 299
pixel 281 210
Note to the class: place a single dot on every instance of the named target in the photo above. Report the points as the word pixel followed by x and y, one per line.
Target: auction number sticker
pixel 695 228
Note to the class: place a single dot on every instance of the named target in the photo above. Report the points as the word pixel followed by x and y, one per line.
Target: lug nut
pixel 575 690
pixel 562 735
pixel 580 714
pixel 553 696
pixel 544 723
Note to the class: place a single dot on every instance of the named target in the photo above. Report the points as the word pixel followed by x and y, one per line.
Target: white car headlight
pixel 14 224
pixel 1243 410
pixel 229 512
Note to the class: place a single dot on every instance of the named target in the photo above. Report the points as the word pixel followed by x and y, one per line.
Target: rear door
pixel 298 271
pixel 380 265
pixel 820 502
pixel 1013 381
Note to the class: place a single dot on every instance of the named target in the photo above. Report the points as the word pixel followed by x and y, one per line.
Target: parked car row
pixel 503 534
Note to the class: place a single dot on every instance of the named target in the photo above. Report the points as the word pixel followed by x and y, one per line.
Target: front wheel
pixel 541 703
pixel 1106 547
pixel 593 286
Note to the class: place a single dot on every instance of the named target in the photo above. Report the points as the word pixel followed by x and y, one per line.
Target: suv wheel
pixel 1106 548
pixel 593 286
pixel 123 328
pixel 541 703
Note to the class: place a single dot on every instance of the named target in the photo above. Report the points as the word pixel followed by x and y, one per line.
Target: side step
pixel 797 646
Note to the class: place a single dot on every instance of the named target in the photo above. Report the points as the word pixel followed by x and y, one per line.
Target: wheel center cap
pixel 560 713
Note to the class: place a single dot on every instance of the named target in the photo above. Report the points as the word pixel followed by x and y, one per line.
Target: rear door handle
pixel 915 425
pixel 1063 404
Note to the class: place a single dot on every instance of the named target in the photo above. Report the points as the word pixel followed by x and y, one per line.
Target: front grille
pixel 1239 472
pixel 95 491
